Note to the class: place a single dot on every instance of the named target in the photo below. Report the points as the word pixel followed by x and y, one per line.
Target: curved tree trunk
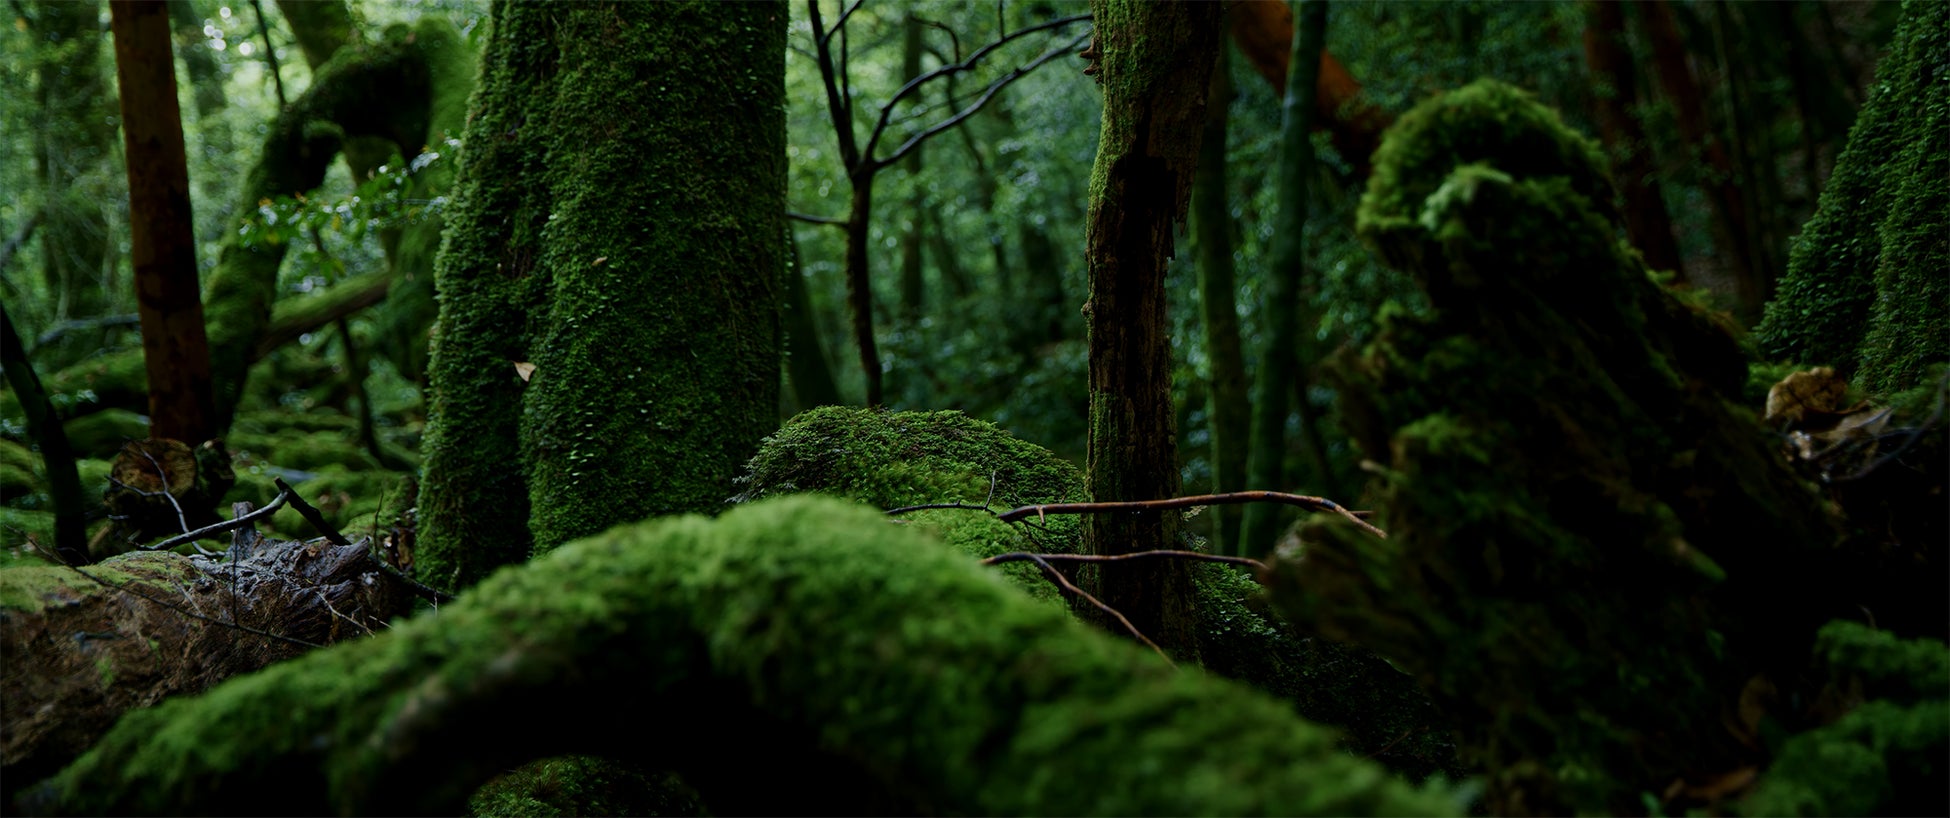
pixel 1610 61
pixel 1155 63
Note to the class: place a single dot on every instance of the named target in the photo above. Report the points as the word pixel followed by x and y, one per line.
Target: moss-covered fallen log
pixel 795 656
pixel 82 649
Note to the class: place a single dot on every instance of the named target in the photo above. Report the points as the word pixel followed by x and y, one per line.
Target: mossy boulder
pixel 1865 289
pixel 1592 547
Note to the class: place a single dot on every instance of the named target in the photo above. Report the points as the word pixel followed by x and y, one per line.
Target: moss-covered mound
pixel 1865 285
pixel 844 662
pixel 1592 548
pixel 894 459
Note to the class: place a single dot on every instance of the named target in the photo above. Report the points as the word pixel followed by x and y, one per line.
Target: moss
pixel 869 660
pixel 19 473
pixel 1584 638
pixel 101 434
pixel 583 785
pixel 657 371
pixel 891 459
pixel 349 501
pixel 18 525
pixel 1883 757
pixel 1864 281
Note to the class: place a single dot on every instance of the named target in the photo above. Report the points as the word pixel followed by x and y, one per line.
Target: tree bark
pixel 1155 63
pixel 1284 315
pixel 1263 30
pixel 57 457
pixel 175 351
pixel 1229 416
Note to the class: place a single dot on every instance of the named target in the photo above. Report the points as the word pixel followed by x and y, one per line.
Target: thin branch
pixel 311 514
pixel 20 237
pixel 928 506
pixel 218 528
pixel 811 219
pixel 1230 498
pixel 104 322
pixel 976 106
pixel 887 110
pixel 1064 583
pixel 1021 556
pixel 836 106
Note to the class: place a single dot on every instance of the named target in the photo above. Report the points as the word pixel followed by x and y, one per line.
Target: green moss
pixel 32 588
pixel 873 661
pixel 349 500
pixel 101 434
pixel 17 525
pixel 1864 283
pixel 1672 557
pixel 891 459
pixel 583 785
pixel 19 474
pixel 1885 756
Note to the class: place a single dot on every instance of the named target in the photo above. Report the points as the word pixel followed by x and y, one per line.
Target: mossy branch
pixel 672 641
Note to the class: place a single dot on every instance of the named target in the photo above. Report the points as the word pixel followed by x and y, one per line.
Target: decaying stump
pixel 83 646
pixel 1597 562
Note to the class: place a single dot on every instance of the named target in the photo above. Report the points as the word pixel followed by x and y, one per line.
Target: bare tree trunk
pixel 1154 62
pixel 175 351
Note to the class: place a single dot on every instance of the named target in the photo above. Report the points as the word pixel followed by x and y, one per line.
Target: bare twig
pixel 191 614
pixel 927 506
pixel 311 514
pixel 182 522
pixel 1064 583
pixel 1230 498
pixel 811 219
pixel 218 528
pixel 1020 556
pixel 1936 414
pixel 913 85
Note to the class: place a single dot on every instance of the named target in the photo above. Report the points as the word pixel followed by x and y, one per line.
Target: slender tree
pixel 175 351
pixel 1154 61
pixel 1229 414
pixel 1279 364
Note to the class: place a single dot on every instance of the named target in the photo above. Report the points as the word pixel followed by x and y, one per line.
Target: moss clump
pixel 1885 756
pixel 799 640
pixel 1864 284
pixel 101 434
pixel 582 785
pixel 1592 546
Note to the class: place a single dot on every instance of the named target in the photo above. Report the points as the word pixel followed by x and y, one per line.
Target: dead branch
pixel 1231 498
pixel 1063 582
pixel 1023 556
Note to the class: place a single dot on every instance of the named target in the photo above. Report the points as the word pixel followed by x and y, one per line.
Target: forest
pixel 1110 407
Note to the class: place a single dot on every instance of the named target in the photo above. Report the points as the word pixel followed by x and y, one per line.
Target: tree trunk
pixel 1610 61
pixel 632 279
pixel 1154 62
pixel 859 284
pixel 175 351
pixel 1263 30
pixel 57 457
pixel 1229 414
pixel 1721 180
pixel 812 378
pixel 913 286
pixel 1279 366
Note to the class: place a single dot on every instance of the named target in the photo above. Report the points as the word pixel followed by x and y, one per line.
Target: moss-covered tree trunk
pixel 1282 368
pixel 1865 285
pixel 608 345
pixel 1155 63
